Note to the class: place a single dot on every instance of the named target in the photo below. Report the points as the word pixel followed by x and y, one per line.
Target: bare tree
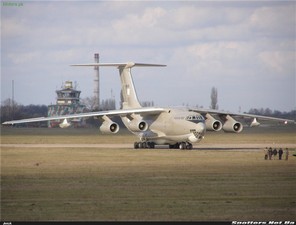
pixel 90 103
pixel 108 104
pixel 214 98
pixel 9 108
pixel 147 104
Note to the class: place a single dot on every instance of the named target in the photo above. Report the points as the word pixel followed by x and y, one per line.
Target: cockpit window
pixel 195 118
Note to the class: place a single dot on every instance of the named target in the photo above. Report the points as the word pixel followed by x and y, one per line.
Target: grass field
pixel 89 184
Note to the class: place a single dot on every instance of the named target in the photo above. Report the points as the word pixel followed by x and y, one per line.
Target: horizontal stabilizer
pixel 126 65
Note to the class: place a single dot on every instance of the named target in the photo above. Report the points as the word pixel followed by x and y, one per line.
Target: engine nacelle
pixel 212 124
pixel 109 127
pixel 254 123
pixel 138 126
pixel 231 125
pixel 65 124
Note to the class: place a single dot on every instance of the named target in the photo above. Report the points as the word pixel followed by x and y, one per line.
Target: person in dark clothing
pixel 269 153
pixel 274 152
pixel 280 153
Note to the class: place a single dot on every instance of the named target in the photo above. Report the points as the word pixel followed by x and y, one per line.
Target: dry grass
pixel 93 136
pixel 61 136
pixel 135 185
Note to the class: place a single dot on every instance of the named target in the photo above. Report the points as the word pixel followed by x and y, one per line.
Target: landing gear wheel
pixel 150 145
pixel 189 146
pixel 138 145
pixel 182 145
pixel 135 145
pixel 144 144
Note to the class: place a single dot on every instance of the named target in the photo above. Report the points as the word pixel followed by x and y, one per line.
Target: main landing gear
pixel 145 144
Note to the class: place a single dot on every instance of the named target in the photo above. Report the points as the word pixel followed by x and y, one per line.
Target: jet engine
pixel 212 124
pixel 231 125
pixel 109 127
pixel 138 126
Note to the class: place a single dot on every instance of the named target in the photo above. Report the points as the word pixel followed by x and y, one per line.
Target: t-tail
pixel 128 91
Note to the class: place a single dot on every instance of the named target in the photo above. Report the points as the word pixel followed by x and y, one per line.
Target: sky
pixel 246 49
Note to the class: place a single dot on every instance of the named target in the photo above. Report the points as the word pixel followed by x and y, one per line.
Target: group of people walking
pixel 270 153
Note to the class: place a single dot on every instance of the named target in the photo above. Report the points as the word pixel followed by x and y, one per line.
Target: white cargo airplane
pixel 178 128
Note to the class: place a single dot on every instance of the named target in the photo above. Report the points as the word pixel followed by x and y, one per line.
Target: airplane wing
pixel 122 112
pixel 223 114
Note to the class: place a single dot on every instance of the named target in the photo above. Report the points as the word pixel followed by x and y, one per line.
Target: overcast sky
pixel 244 49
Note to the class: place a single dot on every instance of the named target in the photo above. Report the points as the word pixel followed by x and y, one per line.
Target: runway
pixel 203 146
pixel 120 146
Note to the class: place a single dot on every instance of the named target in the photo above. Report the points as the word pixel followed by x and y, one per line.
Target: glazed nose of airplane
pixel 199 133
pixel 201 128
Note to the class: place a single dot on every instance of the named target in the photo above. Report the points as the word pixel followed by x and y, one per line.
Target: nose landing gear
pixel 149 145
pixel 182 146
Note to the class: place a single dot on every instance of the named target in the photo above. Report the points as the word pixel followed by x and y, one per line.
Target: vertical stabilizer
pixel 128 91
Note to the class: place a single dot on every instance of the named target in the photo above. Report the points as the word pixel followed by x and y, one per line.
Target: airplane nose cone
pixel 201 128
pixel 199 133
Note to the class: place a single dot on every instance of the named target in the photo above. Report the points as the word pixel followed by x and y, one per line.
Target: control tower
pixel 68 102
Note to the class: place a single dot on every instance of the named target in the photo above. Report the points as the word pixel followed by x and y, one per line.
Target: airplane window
pixel 194 118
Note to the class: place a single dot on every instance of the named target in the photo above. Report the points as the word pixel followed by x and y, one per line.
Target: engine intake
pixel 231 125
pixel 138 126
pixel 109 127
pixel 212 124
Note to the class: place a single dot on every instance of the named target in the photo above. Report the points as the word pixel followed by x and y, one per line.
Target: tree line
pixel 273 113
pixel 11 110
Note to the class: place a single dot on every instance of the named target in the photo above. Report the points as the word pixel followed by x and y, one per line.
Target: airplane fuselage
pixel 171 127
